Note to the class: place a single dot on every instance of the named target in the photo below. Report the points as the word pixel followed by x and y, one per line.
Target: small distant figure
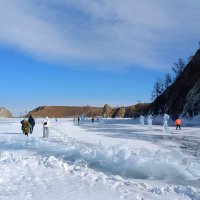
pixel 25 127
pixel 74 120
pixel 78 120
pixel 93 120
pixel 46 125
pixel 141 120
pixel 31 121
pixel 178 123
pixel 56 119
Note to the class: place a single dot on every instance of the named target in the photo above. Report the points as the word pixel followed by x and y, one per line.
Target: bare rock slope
pixel 5 113
pixel 183 96
pixel 65 111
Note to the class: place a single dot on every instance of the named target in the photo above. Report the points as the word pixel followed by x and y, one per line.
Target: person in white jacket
pixel 46 125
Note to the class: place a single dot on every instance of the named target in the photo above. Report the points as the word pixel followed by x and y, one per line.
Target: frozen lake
pixel 188 139
pixel 111 159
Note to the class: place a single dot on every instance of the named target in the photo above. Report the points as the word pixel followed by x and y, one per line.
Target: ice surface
pixel 98 160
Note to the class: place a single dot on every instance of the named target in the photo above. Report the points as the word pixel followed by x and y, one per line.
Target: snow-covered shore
pixel 112 159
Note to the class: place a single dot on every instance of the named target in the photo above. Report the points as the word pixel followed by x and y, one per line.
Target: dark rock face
pixel 192 106
pixel 120 112
pixel 5 113
pixel 136 110
pixel 183 96
pixel 129 111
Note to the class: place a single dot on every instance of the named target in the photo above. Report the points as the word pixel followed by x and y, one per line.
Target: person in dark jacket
pixel 31 122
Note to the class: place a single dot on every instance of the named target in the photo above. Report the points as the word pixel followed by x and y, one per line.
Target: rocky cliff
pixel 107 111
pixel 183 96
pixel 129 111
pixel 136 110
pixel 5 113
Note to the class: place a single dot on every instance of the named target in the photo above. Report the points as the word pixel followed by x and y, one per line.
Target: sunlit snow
pixel 108 159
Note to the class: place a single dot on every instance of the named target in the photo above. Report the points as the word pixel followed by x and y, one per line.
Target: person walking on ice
pixel 31 122
pixel 46 125
pixel 178 123
pixel 25 127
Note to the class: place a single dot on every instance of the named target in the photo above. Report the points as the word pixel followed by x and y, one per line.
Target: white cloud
pixel 118 33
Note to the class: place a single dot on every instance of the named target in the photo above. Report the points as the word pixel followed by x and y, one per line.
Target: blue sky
pixel 91 52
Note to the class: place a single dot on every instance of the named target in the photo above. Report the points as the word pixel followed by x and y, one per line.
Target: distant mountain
pixel 65 111
pixel 5 113
pixel 71 111
pixel 183 96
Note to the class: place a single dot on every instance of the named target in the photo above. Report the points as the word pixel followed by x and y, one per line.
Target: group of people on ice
pixel 28 125
pixel 78 119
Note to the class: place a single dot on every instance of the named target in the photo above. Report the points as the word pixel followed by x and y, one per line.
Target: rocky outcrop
pixel 137 110
pixel 120 112
pixel 192 105
pixel 129 111
pixel 5 113
pixel 107 111
pixel 183 96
